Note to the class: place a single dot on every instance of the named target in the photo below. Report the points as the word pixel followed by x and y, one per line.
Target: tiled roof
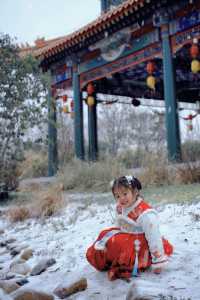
pixel 38 48
pixel 95 27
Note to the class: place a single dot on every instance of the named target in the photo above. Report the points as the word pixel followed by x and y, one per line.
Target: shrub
pixel 42 203
pixel 188 173
pixel 156 171
pixel 191 151
pixel 48 202
pixel 96 175
pixel 34 165
pixel 18 214
pixel 132 158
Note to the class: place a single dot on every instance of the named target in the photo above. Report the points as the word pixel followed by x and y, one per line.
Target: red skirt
pixel 118 257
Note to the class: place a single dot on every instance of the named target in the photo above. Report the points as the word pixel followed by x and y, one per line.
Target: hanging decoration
pixel 72 109
pixel 195 66
pixel 64 98
pixel 90 100
pixel 65 109
pixel 135 102
pixel 68 108
pixel 151 80
pixel 150 67
pixel 194 52
pixel 189 119
pixel 90 91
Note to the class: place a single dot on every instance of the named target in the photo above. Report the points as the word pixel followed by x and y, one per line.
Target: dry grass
pixel 44 203
pixel 187 173
pixel 48 202
pixel 156 172
pixel 18 214
pixel 34 165
pixel 94 176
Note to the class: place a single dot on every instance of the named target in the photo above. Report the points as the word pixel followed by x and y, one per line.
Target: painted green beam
pixel 172 121
pixel 52 137
pixel 78 116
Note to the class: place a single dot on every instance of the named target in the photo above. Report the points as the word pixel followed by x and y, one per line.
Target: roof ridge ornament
pixel 112 46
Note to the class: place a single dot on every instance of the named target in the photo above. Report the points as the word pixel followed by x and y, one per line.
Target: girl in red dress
pixel 135 244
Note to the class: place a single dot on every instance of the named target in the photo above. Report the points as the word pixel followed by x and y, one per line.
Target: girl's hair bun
pixel 126 181
pixel 137 183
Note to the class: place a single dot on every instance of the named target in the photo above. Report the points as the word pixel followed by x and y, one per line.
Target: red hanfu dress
pixel 135 241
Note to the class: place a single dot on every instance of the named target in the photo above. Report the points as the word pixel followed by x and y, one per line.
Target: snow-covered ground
pixel 67 236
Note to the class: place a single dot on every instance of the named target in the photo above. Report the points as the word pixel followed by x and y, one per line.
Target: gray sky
pixel 29 19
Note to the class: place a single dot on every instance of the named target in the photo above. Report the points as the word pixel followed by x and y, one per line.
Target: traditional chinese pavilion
pixel 136 48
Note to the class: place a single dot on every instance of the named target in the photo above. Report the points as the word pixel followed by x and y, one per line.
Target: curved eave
pixel 100 25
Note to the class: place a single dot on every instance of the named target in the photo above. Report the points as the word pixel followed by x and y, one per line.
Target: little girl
pixel 136 243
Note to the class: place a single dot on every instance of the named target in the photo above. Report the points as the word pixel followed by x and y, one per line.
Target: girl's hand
pixel 119 209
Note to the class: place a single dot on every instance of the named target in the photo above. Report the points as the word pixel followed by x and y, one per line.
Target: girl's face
pixel 125 196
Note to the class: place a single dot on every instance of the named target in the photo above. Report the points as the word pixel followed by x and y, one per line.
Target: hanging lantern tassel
pixel 195 66
pixel 151 82
pixel 72 106
pixel 65 109
pixel 135 267
pixel 189 125
pixel 72 109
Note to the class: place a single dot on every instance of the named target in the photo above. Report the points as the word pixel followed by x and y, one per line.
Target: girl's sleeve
pixel 150 225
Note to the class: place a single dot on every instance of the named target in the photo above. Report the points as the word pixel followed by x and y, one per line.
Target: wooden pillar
pixel 78 115
pixel 172 121
pixel 92 131
pixel 52 137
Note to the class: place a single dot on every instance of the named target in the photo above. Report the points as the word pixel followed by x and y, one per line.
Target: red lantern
pixel 194 50
pixel 90 88
pixel 150 67
pixel 64 98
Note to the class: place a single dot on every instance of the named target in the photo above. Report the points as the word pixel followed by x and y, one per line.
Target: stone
pixel 10 241
pixel 2 231
pixel 17 247
pixel 14 252
pixel 3 251
pixel 10 275
pixel 8 286
pixel 42 266
pixel 22 281
pixel 146 290
pixel 65 291
pixel 28 294
pixel 20 267
pixel 26 254
pixel 3 244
